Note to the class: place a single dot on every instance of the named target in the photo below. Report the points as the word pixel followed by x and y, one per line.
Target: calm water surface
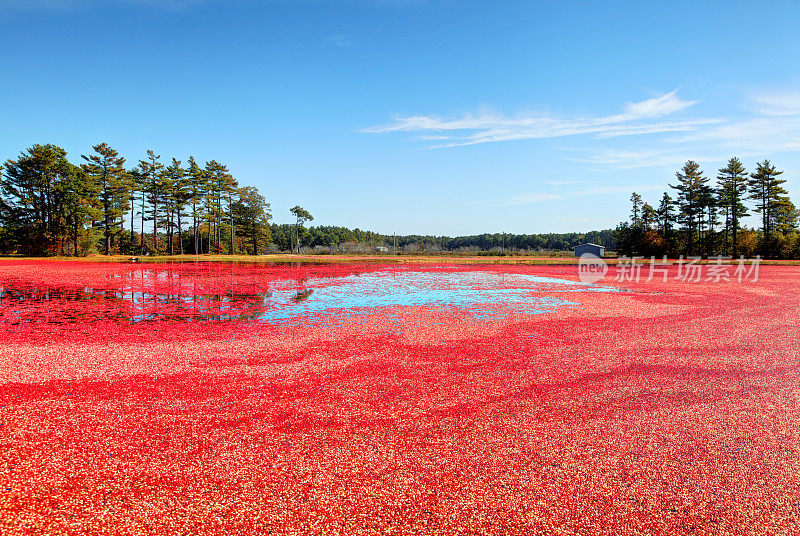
pixel 163 293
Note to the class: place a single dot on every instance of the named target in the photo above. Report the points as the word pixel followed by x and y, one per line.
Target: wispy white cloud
pixel 775 128
pixel 657 128
pixel 657 106
pixel 672 157
pixel 766 123
pixel 758 135
pixel 625 159
pixel 540 197
pixel 772 127
pixel 637 118
pixel 786 103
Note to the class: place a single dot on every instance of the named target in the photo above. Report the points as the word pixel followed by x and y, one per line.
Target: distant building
pixel 381 249
pixel 592 249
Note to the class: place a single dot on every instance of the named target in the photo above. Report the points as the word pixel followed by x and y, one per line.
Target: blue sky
pixel 439 117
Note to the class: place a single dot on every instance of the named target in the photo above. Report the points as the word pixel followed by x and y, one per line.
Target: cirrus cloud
pixel 637 118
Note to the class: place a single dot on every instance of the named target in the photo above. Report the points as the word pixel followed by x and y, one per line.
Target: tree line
pixel 342 239
pixel 508 242
pixel 707 218
pixel 48 205
pixel 51 206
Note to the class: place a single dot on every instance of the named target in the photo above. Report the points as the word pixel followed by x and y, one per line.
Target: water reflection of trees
pixel 56 305
pixel 197 293
pixel 134 301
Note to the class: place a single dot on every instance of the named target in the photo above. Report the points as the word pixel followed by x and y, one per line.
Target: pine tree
pixel 196 191
pixel 302 216
pixel 48 205
pixel 766 190
pixel 786 216
pixel 179 197
pixel 151 171
pixel 135 193
pixel 708 215
pixel 731 193
pixel 666 216
pixel 636 208
pixel 81 205
pixel 38 195
pixel 107 169
pixel 221 183
pixel 692 189
pixel 649 215
pixel 167 184
pixel 232 194
pixel 252 214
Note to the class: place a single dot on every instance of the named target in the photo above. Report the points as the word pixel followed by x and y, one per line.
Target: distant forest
pixel 706 218
pixel 51 206
pixel 340 239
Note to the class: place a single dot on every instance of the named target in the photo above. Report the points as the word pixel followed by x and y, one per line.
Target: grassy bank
pixel 290 258
pixel 388 258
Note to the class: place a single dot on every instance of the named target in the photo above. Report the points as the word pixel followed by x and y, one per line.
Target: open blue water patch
pixel 478 292
pixel 484 294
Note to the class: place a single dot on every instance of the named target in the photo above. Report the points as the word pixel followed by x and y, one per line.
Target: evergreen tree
pixel 182 196
pixel 692 191
pixel 175 197
pixel 766 190
pixel 107 169
pixel 636 208
pixel 649 215
pixel 282 236
pixel 786 217
pixel 197 185
pixel 302 216
pixel 252 214
pixel 233 195
pixel 152 173
pixel 136 188
pixel 36 200
pixel 732 191
pixel 221 184
pixel 81 205
pixel 708 216
pixel 46 203
pixel 666 216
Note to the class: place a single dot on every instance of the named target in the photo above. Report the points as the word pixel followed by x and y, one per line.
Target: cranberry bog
pixel 211 398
